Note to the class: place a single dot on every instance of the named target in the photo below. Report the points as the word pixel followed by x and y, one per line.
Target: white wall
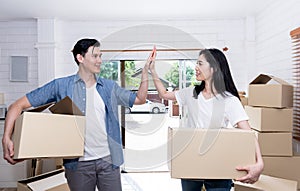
pixel 273 42
pixel 17 38
pixel 259 44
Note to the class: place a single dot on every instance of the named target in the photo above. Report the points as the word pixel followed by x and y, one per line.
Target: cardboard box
pixel 1 98
pixel 276 144
pixel 210 154
pixel 62 187
pixel 35 167
pixel 243 98
pixel 283 167
pixel 244 101
pixel 51 181
pixel 40 135
pixel 267 183
pixel 265 119
pixel 270 91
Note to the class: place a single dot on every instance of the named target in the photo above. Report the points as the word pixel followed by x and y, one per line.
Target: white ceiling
pixel 129 9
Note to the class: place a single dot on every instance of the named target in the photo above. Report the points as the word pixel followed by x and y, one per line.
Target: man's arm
pixel 13 112
pixel 143 89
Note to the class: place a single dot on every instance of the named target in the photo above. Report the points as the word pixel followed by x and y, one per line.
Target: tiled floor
pixel 128 184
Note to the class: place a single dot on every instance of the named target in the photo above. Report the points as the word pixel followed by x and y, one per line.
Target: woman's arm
pixel 162 92
pixel 253 171
pixel 143 89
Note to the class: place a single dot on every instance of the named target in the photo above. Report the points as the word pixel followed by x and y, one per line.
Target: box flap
pixel 268 183
pixel 65 106
pixel 263 79
pixel 42 176
pixel 40 108
pixel 48 183
pixel 62 187
pixel 54 180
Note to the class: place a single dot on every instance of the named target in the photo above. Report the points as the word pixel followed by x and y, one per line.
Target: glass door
pixel 186 78
pixel 144 128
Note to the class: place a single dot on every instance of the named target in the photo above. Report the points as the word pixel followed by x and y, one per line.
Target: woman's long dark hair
pixel 221 79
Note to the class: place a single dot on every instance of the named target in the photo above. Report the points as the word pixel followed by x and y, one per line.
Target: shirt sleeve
pixel 178 98
pixel 125 97
pixel 235 111
pixel 42 95
pixel 184 94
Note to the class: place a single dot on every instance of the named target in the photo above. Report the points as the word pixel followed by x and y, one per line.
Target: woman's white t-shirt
pixel 215 112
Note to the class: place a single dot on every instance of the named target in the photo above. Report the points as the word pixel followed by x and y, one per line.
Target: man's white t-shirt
pixel 215 112
pixel 96 145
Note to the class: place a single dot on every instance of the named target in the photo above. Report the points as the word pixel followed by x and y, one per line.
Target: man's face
pixel 92 60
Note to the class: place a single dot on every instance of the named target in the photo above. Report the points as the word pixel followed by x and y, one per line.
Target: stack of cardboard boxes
pixel 270 113
pixel 244 99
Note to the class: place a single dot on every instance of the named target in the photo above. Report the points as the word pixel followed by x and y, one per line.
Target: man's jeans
pixel 90 174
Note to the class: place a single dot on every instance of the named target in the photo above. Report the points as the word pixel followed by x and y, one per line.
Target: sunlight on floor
pixel 150 181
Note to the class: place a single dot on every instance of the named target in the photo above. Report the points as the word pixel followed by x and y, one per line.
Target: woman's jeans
pixel 209 184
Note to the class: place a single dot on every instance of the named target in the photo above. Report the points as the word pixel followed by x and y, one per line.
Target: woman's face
pixel 203 70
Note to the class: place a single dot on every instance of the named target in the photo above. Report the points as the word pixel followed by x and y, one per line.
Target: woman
pixel 213 71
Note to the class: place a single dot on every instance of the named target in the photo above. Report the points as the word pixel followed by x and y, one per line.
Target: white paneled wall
pixel 273 44
pixel 17 38
pixel 257 44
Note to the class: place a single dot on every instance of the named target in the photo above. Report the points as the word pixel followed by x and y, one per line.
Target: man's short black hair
pixel 82 46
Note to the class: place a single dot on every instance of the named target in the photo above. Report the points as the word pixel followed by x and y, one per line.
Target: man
pixel 98 99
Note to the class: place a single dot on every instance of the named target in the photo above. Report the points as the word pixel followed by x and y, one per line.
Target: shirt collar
pixel 98 79
pixel 77 78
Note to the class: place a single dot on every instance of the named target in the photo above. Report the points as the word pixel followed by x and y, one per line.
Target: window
pixel 110 70
pixel 295 35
